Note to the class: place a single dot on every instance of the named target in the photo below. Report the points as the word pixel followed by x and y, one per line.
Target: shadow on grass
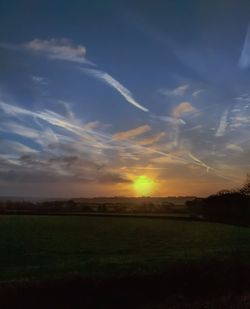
pixel 186 286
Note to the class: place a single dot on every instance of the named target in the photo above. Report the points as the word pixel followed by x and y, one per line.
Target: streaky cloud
pixel 182 109
pixel 108 79
pixel 234 147
pixel 178 91
pixel 57 49
pixel 64 49
pixel 197 92
pixel 221 130
pixel 131 133
pixel 170 120
pixel 244 61
pixel 151 140
pixel 96 142
pixel 15 147
pixel 200 162
pixel 208 168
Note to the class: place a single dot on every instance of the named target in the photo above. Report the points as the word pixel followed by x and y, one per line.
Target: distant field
pixel 57 246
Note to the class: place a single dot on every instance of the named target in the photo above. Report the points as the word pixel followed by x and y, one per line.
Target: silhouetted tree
pixel 245 189
pixel 225 206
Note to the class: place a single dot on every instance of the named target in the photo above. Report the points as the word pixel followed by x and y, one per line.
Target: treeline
pixel 92 207
pixel 229 206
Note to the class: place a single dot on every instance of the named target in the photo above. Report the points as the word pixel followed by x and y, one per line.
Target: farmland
pixel 47 248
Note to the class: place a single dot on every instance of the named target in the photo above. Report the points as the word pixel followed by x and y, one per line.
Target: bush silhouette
pixel 225 206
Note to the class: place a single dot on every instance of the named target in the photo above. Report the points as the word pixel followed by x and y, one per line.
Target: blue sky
pixel 95 94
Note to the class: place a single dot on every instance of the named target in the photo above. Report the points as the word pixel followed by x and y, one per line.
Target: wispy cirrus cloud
pixel 176 92
pixel 39 80
pixel 151 140
pixel 55 49
pixel 244 61
pixel 131 133
pixel 14 148
pixel 182 109
pixel 82 153
pixel 177 120
pixel 59 49
pixel 71 151
pixel 200 162
pixel 196 93
pixel 221 130
pixel 90 141
pixel 85 143
pixel 109 80
pixel 65 50
pixel 168 119
pixel 234 147
pixel 56 120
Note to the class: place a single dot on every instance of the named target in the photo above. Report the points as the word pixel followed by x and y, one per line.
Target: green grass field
pixel 43 247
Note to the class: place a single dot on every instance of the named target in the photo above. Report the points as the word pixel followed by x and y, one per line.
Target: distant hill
pixel 177 200
pixel 30 199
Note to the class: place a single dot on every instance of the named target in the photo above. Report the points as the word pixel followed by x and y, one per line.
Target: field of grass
pixel 58 246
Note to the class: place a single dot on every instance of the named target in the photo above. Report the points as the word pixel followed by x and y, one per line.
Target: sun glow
pixel 143 185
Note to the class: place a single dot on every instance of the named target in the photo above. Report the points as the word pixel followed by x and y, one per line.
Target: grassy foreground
pixel 146 255
pixel 41 246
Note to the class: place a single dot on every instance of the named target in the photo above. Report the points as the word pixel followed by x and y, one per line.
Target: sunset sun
pixel 143 185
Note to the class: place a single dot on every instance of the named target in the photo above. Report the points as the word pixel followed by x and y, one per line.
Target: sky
pixel 94 94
